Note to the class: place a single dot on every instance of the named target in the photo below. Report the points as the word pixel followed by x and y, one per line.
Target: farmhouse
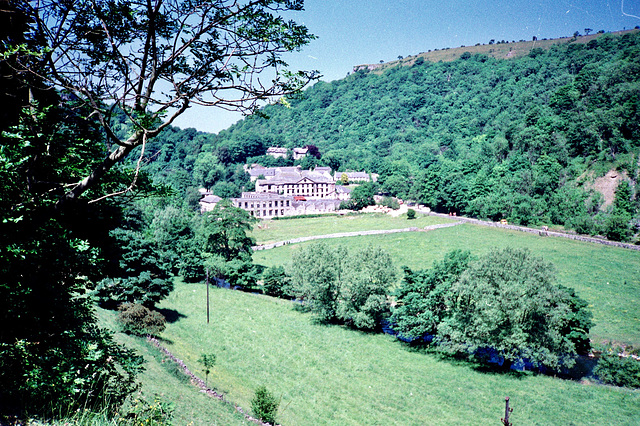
pixel 299 153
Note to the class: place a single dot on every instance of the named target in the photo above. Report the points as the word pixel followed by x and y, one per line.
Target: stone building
pixel 304 183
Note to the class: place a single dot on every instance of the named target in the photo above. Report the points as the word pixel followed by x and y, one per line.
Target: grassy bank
pixel 332 375
pixel 607 277
pixel 162 378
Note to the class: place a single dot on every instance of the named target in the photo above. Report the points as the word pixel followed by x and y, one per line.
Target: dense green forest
pixel 521 139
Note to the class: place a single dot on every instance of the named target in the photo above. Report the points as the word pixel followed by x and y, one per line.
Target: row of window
pixel 264 213
pixel 250 205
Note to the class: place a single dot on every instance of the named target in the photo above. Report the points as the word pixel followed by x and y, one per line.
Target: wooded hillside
pixel 521 138
pixel 529 138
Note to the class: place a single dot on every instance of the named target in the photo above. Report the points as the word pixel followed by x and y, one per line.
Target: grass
pixel 162 378
pixel 608 278
pixel 272 231
pixel 333 375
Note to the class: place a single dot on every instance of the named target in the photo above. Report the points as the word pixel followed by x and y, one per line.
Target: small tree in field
pixel 411 214
pixel 265 405
pixel 207 361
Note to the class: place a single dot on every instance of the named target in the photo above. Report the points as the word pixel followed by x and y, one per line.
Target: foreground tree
pixel 68 68
pixel 363 297
pixel 422 297
pixel 509 301
pixel 153 60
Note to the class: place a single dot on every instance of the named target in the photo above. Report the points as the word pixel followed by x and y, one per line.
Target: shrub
pixel 411 214
pixel 264 405
pixel 140 320
pixel 275 282
pixel 390 202
pixel 615 370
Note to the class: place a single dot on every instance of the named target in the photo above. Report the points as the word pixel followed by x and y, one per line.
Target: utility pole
pixel 507 411
pixel 207 283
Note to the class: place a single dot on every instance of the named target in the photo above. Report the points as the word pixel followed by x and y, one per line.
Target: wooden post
pixel 507 411
pixel 207 283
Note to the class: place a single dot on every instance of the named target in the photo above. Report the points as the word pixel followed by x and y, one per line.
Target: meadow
pixel 271 231
pixel 608 278
pixel 334 375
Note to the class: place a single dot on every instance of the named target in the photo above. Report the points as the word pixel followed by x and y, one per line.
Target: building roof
pixel 211 199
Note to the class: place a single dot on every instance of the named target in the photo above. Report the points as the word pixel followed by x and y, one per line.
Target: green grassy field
pixel 272 231
pixel 607 277
pixel 161 378
pixel 333 375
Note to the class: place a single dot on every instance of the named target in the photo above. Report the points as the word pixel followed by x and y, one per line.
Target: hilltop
pixel 500 49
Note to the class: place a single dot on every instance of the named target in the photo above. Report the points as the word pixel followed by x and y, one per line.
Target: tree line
pixel 505 306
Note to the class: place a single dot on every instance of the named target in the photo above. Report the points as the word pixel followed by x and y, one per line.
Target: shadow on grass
pixel 465 361
pixel 171 315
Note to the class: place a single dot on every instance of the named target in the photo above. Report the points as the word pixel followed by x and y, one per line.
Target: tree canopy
pixel 507 302
pixel 342 286
pixel 152 60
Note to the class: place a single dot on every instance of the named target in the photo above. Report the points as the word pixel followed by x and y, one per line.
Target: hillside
pixel 522 139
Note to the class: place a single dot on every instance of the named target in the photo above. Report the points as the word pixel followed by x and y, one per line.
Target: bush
pixel 275 282
pixel 411 214
pixel 615 370
pixel 140 321
pixel 264 405
pixel 390 202
pixel 157 413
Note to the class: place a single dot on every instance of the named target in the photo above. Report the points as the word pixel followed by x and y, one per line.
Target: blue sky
pixel 353 32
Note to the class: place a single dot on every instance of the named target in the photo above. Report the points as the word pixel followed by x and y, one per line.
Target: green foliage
pixel 159 412
pixel 315 276
pixel 265 405
pixel 207 361
pixel 224 231
pixel 508 301
pixel 140 321
pixel 390 202
pixel 276 282
pixel 411 214
pixel 342 286
pixel 422 297
pixel 52 352
pixel 365 281
pixel 617 370
pixel 362 195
